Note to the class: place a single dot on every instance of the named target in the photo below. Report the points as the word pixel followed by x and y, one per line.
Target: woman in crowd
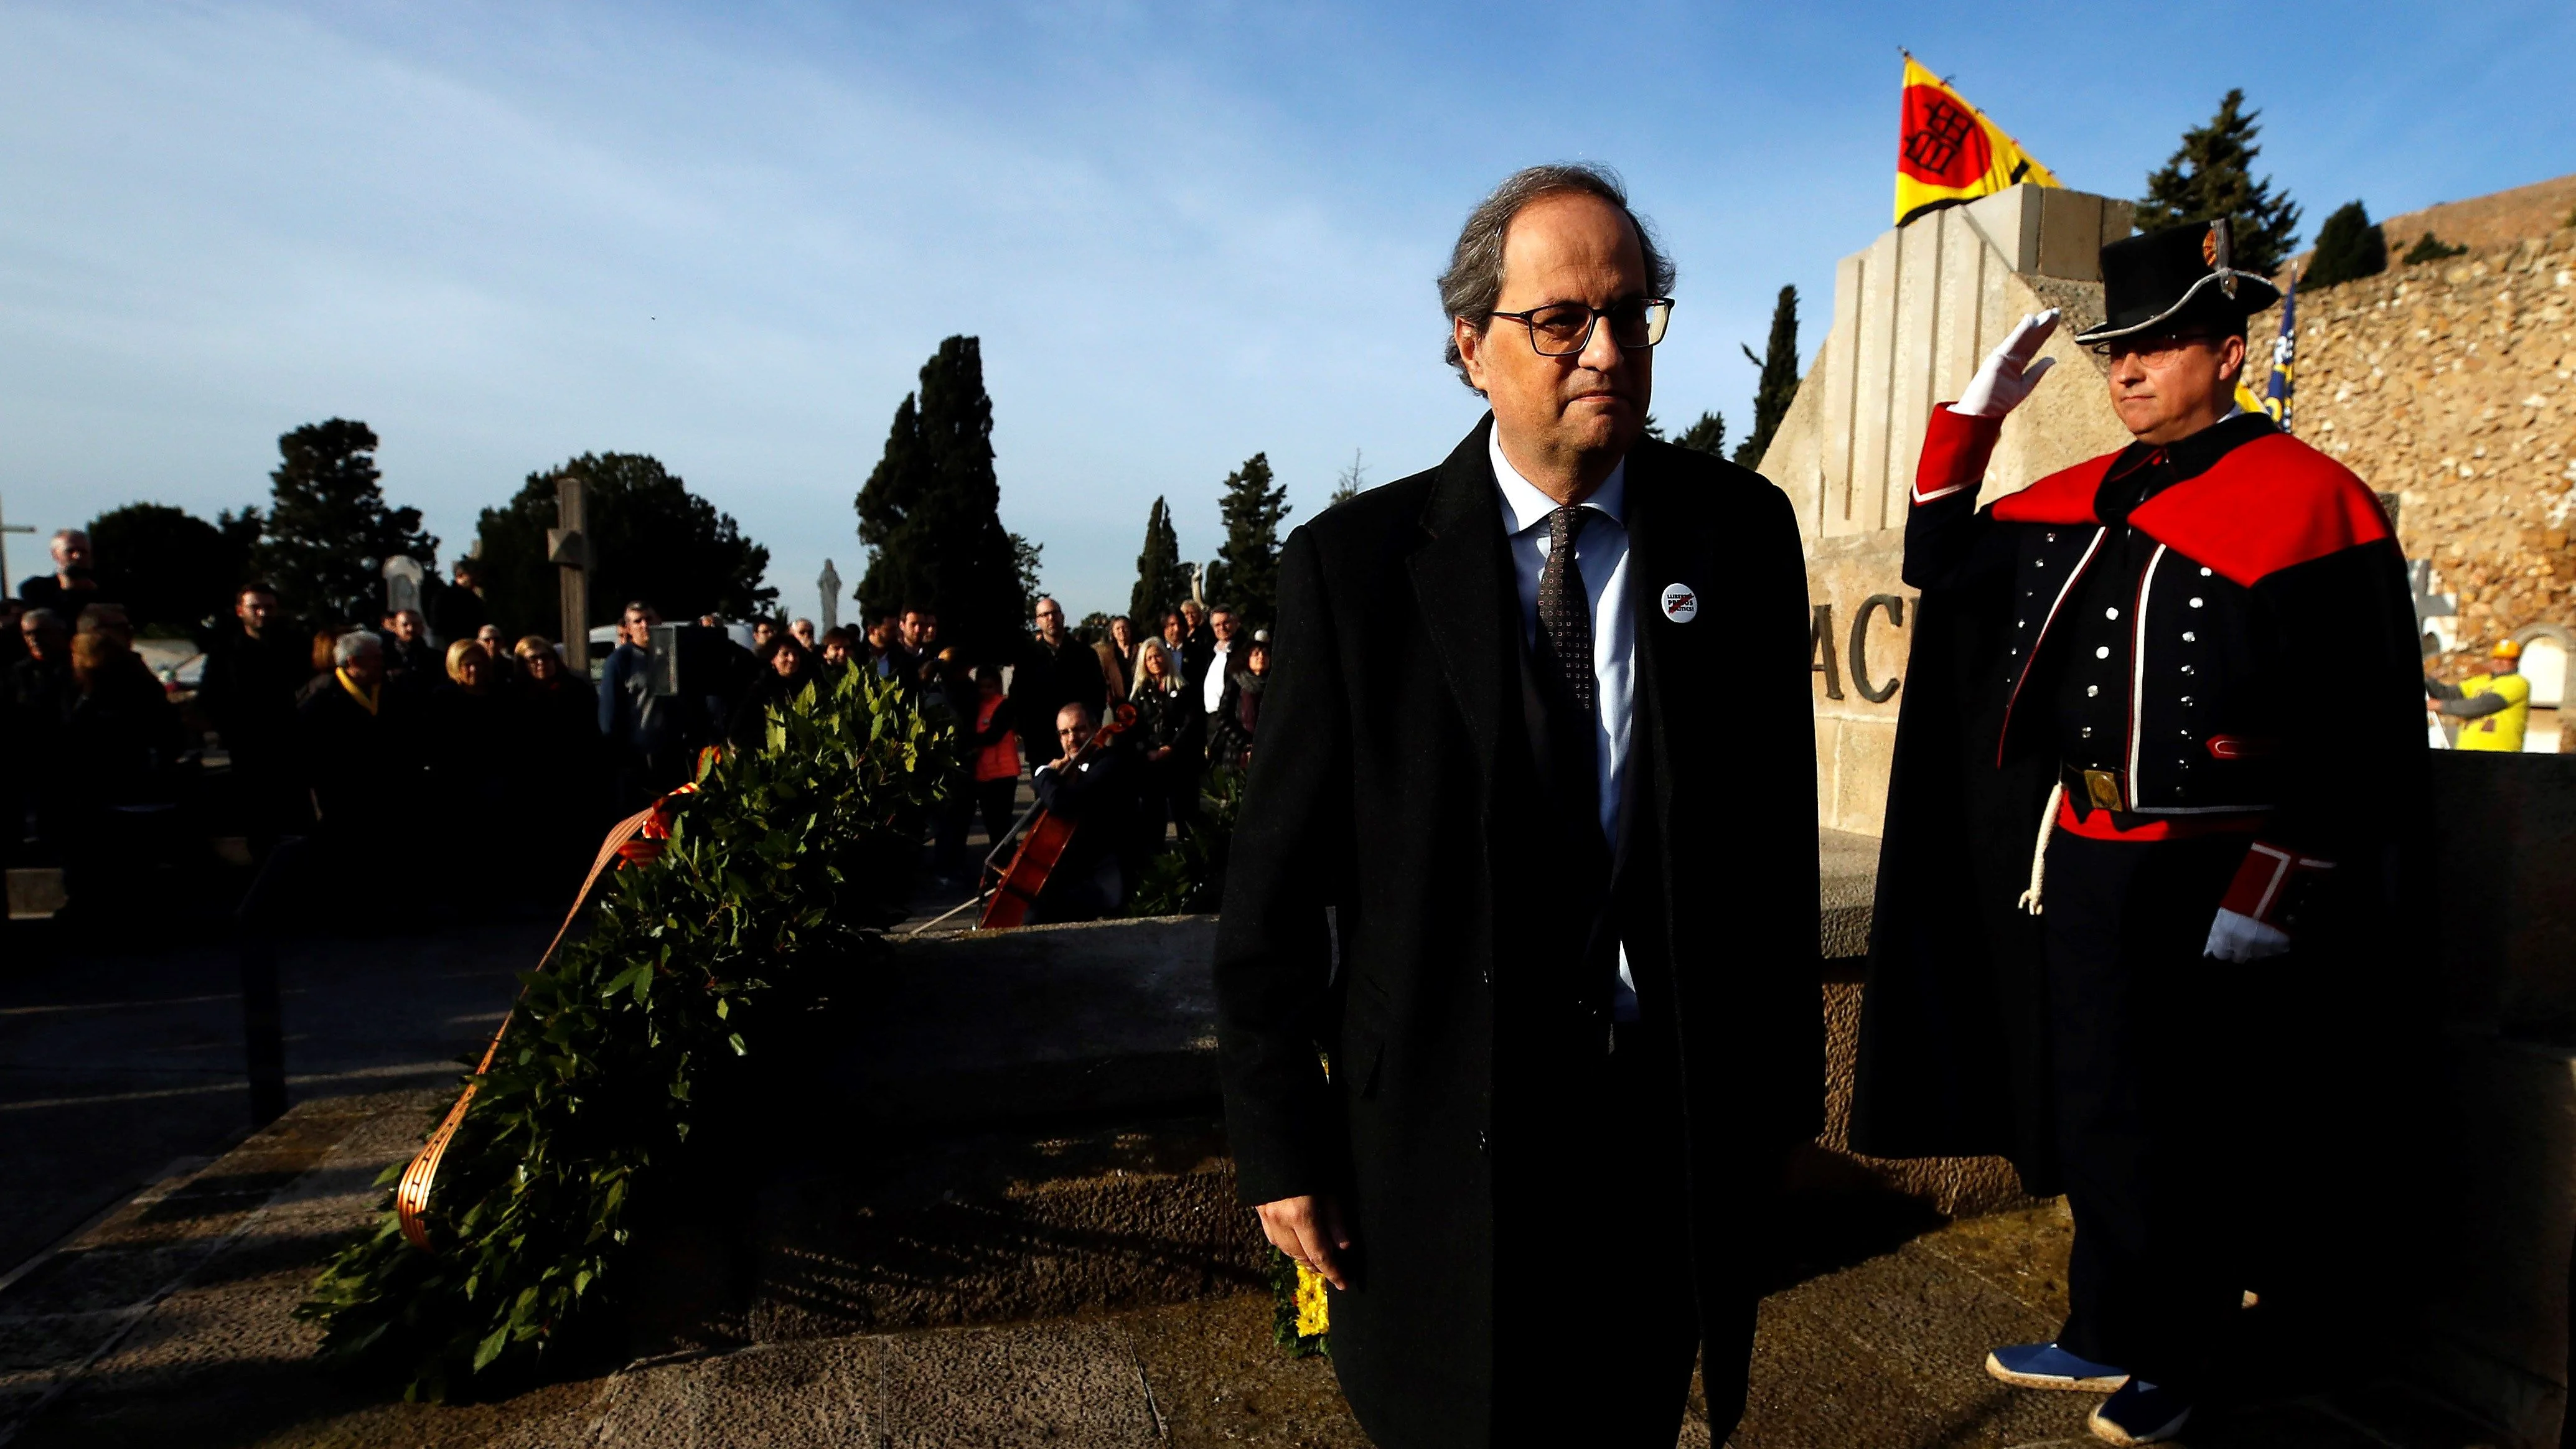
pixel 563 763
pixel 1168 732
pixel 786 666
pixel 1238 709
pixel 473 757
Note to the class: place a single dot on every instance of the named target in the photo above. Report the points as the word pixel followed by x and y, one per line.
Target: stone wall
pixel 2446 384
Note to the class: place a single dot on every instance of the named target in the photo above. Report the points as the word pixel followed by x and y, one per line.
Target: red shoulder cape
pixel 2265 506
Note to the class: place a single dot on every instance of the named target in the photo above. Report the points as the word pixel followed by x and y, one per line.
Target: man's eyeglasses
pixel 2153 350
pixel 1563 329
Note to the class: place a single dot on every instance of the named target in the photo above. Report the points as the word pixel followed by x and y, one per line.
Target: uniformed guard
pixel 2161 742
pixel 2492 709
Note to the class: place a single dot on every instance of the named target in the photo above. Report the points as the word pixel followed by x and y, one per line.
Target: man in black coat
pixel 2138 901
pixel 1573 1021
pixel 252 675
pixel 1056 669
pixel 1099 796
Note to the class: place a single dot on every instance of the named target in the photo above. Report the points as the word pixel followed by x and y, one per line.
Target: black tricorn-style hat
pixel 2173 277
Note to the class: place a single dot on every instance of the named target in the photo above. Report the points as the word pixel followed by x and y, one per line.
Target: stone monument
pixel 828 613
pixel 1914 314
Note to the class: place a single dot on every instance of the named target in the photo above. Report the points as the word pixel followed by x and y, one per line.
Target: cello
pixel 1047 838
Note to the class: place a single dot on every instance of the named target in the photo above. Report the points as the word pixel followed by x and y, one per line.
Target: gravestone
pixel 403 575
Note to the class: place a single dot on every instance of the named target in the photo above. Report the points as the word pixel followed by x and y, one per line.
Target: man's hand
pixel 2009 374
pixel 1308 1229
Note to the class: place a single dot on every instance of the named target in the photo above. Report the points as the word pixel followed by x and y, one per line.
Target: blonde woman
pixel 1168 727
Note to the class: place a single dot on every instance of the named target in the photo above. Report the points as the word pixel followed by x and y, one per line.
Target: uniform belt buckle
pixel 2102 788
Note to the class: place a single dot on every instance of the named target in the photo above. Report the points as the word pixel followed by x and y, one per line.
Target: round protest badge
pixel 1681 605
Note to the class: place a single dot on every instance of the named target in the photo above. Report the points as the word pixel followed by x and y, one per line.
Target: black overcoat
pixel 2279 567
pixel 1395 783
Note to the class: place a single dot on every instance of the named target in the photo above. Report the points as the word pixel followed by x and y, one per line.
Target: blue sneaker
pixel 2140 1413
pixel 2046 1366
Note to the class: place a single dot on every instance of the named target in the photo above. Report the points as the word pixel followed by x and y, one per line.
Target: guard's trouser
pixel 2149 1086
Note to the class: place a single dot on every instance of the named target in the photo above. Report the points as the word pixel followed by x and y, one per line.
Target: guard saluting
pixel 2167 700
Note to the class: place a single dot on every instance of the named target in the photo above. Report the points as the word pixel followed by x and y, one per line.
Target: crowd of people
pixel 430 735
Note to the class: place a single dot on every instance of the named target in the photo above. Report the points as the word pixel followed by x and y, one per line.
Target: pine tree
pixel 1244 576
pixel 2211 176
pixel 328 529
pixel 1350 483
pixel 1777 386
pixel 930 515
pixel 2349 245
pixel 1708 435
pixel 1158 571
pixel 651 539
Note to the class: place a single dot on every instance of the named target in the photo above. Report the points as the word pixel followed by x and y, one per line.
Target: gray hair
pixel 354 643
pixel 1473 285
pixel 41 618
pixel 67 535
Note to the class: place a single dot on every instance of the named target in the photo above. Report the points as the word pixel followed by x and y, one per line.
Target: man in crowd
pixel 1099 795
pixel 456 610
pixel 1574 1035
pixel 252 673
pixel 358 753
pixel 881 637
pixel 653 739
pixel 908 660
pixel 2490 710
pixel 38 697
pixel 71 585
pixel 413 665
pixel 1191 650
pixel 1057 669
pixel 2116 852
pixel 1222 662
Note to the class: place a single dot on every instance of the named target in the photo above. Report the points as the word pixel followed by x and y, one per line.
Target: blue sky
pixel 728 235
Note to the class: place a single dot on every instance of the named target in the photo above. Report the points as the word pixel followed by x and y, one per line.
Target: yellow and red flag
pixel 1948 152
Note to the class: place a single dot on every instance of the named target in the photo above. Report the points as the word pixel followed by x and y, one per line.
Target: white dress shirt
pixel 1601 562
pixel 1212 689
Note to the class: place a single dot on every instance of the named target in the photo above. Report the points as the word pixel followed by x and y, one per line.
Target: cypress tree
pixel 1244 576
pixel 328 529
pixel 2349 245
pixel 2211 175
pixel 1708 435
pixel 891 521
pixel 930 514
pixel 1158 571
pixel 1778 385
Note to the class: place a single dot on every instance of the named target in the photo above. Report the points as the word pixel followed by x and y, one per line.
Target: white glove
pixel 2234 937
pixel 2009 373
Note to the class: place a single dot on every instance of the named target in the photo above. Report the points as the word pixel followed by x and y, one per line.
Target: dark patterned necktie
pixel 1564 615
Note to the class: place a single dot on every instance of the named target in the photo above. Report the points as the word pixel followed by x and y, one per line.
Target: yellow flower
pixel 1313 1311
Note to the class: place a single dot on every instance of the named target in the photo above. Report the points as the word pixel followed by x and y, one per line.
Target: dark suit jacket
pixel 1397 782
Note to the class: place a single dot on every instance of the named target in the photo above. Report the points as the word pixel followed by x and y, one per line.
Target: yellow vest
pixel 2502 730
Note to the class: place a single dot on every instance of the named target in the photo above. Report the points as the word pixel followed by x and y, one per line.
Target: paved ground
pixel 168 1324
pixel 117 1067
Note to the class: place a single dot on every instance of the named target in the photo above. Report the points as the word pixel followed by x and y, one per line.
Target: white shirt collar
pixel 1525 507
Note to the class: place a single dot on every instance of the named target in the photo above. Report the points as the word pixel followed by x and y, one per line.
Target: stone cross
pixel 829 615
pixel 403 574
pixel 568 549
pixel 5 530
